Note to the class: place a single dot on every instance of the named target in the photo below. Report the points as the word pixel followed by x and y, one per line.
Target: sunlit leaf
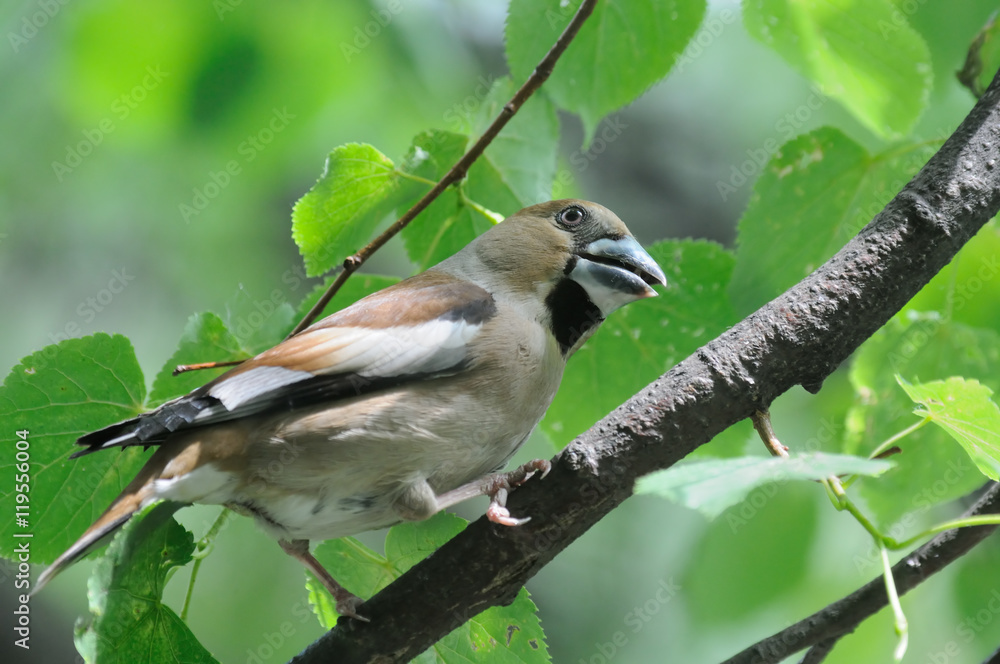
pixel 864 54
pixel 712 485
pixel 965 410
pixel 931 469
pixel 56 395
pixel 622 49
pixel 815 193
pixel 339 214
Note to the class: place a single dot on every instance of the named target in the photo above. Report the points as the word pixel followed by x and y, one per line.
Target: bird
pixel 402 404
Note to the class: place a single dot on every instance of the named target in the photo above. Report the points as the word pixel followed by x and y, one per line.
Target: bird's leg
pixel 347 602
pixel 497 486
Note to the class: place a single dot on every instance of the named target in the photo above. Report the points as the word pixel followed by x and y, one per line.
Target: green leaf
pixel 757 532
pixel 515 171
pixel 816 193
pixel 712 485
pixel 258 323
pixel 523 155
pixel 355 288
pixel 457 216
pixel 505 634
pixel 931 468
pixel 205 339
pixel 356 567
pixel 57 395
pixel 365 572
pixel 643 340
pixel 863 54
pixel 499 634
pixel 130 623
pixel 623 48
pixel 962 408
pixel 341 211
pixel 360 186
pixel 983 58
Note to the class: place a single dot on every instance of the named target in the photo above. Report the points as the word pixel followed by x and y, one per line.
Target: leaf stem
pixel 887 445
pixel 363 550
pixel 845 504
pixel 541 73
pixel 984 520
pixel 902 626
pixel 891 441
pixel 489 214
pixel 201 550
pixel 414 178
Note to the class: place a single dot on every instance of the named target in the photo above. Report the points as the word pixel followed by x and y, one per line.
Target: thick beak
pixel 616 272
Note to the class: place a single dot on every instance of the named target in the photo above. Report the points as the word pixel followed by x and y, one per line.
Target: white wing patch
pixel 247 386
pixel 433 346
pixel 372 353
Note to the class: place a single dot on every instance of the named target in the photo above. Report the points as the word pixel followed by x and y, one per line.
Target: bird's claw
pixel 500 514
pixel 501 484
pixel 348 606
pixel 523 473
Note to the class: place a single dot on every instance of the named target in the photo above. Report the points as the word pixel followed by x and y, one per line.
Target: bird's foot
pixel 498 486
pixel 347 603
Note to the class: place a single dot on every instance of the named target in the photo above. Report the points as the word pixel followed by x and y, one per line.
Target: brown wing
pixel 417 330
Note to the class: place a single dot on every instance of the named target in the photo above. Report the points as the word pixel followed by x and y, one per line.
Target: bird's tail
pixel 120 434
pixel 130 501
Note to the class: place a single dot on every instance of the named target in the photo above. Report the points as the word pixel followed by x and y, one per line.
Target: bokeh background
pixel 146 106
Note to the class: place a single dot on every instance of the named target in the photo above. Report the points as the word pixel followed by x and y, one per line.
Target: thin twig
pixel 201 551
pixel 818 652
pixel 762 423
pixel 843 616
pixel 458 171
pixel 183 368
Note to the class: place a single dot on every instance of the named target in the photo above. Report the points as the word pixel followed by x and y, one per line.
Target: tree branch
pixel 841 617
pixel 797 339
pixel 818 652
pixel 541 73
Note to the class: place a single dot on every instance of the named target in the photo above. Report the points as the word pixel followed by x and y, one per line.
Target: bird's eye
pixel 571 216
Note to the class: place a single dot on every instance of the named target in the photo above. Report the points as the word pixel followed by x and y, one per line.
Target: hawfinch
pixel 398 406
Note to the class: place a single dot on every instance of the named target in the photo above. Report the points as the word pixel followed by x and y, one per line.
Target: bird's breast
pixel 334 470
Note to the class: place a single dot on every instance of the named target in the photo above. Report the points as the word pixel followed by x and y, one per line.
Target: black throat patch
pixel 573 313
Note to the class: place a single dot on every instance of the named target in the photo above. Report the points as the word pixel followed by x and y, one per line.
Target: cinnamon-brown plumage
pixel 399 405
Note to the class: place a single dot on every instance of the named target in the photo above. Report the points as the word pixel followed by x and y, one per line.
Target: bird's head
pixel 576 257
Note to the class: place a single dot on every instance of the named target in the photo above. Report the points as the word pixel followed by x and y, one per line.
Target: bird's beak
pixel 616 272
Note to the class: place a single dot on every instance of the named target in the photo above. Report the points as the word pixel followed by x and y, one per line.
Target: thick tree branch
pixel 541 73
pixel 843 616
pixel 797 339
